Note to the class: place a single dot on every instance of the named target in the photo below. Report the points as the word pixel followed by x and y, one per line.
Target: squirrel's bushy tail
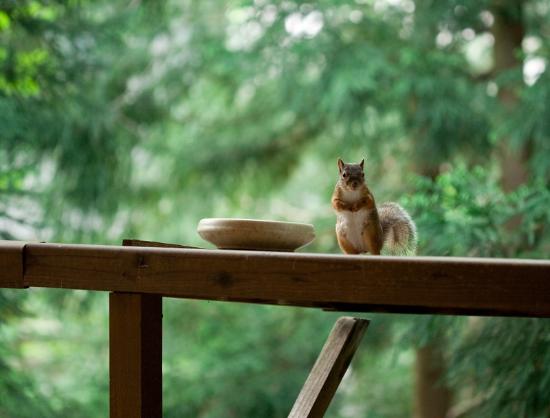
pixel 398 229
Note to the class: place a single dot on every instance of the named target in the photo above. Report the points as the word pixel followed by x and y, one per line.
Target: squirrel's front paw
pixel 357 206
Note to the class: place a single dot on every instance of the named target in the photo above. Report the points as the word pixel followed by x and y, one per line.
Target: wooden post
pixel 329 369
pixel 135 355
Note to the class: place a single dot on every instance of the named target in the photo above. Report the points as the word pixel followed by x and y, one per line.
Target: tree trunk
pixel 432 398
pixel 508 30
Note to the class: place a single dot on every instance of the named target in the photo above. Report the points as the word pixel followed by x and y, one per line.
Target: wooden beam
pixel 437 285
pixel 329 369
pixel 12 264
pixel 135 355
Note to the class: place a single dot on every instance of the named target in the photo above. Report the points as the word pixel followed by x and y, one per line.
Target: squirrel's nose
pixel 354 184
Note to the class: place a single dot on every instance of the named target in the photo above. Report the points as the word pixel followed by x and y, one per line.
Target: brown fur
pixel 388 226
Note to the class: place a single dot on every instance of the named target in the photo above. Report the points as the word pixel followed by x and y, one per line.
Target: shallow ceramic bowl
pixel 252 234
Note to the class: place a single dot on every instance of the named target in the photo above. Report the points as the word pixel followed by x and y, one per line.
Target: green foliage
pixel 503 362
pixel 20 394
pixel 139 118
pixel 470 205
pixel 238 362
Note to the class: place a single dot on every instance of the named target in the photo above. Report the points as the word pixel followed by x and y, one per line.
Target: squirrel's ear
pixel 362 163
pixel 340 165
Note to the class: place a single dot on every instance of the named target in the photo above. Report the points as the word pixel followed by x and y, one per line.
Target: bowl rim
pixel 252 221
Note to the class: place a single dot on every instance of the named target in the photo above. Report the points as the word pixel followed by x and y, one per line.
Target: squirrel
pixel 361 226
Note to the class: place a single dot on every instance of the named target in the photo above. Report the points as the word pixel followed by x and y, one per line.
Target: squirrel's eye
pixel 344 175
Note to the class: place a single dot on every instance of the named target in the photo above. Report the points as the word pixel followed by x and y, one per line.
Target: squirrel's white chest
pixel 350 225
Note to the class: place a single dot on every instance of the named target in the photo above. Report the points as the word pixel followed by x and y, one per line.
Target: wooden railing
pixel 139 277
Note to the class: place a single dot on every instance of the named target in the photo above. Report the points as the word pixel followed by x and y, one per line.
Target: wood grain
pixel 135 355
pixel 141 243
pixel 438 285
pixel 12 264
pixel 329 369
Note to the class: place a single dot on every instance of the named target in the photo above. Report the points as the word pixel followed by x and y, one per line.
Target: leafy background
pixel 138 118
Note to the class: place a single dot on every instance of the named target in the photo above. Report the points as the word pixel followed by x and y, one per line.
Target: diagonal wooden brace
pixel 329 369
